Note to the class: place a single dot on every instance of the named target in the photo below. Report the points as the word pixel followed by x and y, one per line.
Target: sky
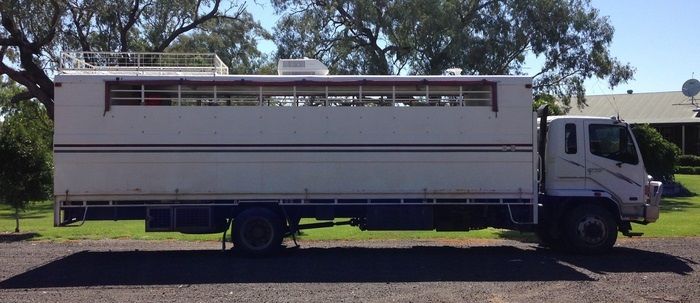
pixel 661 39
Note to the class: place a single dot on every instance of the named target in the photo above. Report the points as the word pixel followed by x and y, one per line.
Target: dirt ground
pixel 638 270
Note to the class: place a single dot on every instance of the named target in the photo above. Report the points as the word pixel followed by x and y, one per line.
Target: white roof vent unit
pixel 452 72
pixel 304 66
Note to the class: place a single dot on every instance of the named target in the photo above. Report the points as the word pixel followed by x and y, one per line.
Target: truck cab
pixel 598 160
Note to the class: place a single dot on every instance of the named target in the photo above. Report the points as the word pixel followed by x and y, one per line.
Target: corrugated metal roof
pixel 662 107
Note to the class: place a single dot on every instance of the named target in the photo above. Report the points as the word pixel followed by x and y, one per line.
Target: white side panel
pixel 279 173
pixel 170 152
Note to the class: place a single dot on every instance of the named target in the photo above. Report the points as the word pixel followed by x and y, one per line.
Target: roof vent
pixel 304 66
pixel 452 71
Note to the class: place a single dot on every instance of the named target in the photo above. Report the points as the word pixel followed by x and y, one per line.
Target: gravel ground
pixel 638 270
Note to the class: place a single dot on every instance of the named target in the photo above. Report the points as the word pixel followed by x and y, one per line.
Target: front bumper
pixel 652 208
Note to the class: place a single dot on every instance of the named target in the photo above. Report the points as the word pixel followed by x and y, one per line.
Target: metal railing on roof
pixel 162 63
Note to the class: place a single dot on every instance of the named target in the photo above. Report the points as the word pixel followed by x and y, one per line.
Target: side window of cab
pixel 570 138
pixel 613 142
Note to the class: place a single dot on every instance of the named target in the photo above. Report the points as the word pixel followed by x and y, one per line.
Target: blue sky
pixel 660 38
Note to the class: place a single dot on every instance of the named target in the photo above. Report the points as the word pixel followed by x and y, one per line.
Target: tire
pixel 257 232
pixel 590 229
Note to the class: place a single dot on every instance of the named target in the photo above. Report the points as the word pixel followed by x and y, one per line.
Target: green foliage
pixel 688 170
pixel 688 160
pixel 235 41
pixel 34 32
pixel 555 108
pixel 348 36
pixel 25 151
pixel 150 25
pixel 659 154
pixel 481 37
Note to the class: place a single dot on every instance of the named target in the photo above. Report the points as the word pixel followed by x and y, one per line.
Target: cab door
pixel 566 161
pixel 612 161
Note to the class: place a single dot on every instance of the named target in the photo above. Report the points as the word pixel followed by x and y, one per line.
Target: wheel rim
pixel 592 231
pixel 258 233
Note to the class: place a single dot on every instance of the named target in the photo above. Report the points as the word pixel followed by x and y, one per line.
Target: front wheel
pixel 257 231
pixel 590 229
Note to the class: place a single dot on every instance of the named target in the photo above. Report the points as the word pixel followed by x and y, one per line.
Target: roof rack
pixel 141 63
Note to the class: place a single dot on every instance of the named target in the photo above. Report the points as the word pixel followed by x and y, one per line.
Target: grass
pixel 38 219
pixel 680 217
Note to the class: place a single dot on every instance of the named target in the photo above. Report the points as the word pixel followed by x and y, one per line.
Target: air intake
pixel 304 66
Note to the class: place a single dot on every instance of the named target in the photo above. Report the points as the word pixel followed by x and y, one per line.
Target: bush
pixel 25 151
pixel 688 160
pixel 659 154
pixel 688 170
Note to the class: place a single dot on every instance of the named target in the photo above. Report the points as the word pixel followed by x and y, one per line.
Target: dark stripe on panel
pixel 289 151
pixel 290 145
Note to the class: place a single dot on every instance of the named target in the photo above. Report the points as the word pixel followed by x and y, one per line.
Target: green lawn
pixel 38 218
pixel 679 217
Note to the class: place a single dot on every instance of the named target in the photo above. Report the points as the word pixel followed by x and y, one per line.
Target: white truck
pixel 174 140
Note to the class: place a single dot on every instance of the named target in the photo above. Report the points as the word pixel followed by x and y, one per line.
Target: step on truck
pixel 174 140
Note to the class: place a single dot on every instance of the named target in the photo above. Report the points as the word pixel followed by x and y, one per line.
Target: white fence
pixel 162 63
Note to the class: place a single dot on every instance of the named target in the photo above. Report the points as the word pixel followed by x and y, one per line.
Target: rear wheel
pixel 257 231
pixel 590 229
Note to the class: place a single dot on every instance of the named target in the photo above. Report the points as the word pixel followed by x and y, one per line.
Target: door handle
pixel 594 170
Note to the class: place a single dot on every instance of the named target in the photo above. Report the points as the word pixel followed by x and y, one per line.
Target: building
pixel 672 113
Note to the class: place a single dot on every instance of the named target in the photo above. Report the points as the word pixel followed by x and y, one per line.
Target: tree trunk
pixel 16 219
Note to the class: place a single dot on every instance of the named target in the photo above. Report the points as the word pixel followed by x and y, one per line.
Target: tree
pixel 349 36
pixel 31 38
pixel 479 36
pixel 555 108
pixel 659 155
pixel 25 151
pixel 234 40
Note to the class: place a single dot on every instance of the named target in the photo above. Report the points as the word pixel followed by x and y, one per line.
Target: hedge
pixel 688 160
pixel 659 154
pixel 688 170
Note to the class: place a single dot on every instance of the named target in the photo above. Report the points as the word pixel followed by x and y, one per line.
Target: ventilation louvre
pixel 304 66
